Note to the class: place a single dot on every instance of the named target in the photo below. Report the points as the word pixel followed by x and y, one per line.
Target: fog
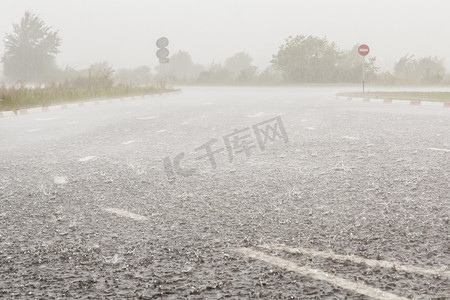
pixel 280 150
pixel 124 32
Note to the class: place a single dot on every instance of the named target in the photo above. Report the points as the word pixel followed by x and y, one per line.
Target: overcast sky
pixel 123 32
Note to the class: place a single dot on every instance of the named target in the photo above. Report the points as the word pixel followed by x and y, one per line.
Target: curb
pixel 65 106
pixel 395 101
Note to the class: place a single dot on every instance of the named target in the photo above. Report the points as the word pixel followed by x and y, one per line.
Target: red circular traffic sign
pixel 363 50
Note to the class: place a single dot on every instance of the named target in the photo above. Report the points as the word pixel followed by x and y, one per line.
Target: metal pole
pixel 363 76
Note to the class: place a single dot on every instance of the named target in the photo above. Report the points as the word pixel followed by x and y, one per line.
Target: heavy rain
pixel 224 149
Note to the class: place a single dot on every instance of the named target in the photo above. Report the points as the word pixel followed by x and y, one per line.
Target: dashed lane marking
pixel 320 275
pixel 257 115
pixel 357 259
pixel 34 130
pixel 147 118
pixel 128 142
pixel 125 213
pixel 46 119
pixel 350 137
pixel 86 158
pixel 439 149
pixel 162 130
pixel 60 180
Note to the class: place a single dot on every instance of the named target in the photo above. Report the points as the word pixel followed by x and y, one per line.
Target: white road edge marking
pixel 125 213
pixel 320 275
pixel 439 149
pixel 86 158
pixel 357 259
pixel 128 142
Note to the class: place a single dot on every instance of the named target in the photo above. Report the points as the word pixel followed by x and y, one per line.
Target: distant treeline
pixel 31 48
pixel 306 59
pixel 300 60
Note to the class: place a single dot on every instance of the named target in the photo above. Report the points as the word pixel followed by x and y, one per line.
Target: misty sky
pixel 124 32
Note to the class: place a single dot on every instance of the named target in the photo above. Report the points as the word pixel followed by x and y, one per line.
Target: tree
pixel 138 76
pixel 181 68
pixel 405 69
pixel 238 62
pixel 423 70
pixel 215 75
pixel 349 66
pixel 30 51
pixel 307 59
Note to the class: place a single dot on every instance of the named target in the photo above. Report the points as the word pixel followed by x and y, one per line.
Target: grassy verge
pixel 18 98
pixel 423 96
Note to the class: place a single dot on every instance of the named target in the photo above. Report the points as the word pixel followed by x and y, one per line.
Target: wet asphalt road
pixel 367 180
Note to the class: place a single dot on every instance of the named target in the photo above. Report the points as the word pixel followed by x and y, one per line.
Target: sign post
pixel 363 50
pixel 162 53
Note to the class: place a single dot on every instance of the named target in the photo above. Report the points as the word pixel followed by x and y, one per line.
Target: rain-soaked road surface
pixel 354 206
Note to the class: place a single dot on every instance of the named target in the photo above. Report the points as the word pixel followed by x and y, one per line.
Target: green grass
pixel 18 98
pixel 423 96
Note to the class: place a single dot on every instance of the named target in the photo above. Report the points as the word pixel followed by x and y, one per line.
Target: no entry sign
pixel 363 50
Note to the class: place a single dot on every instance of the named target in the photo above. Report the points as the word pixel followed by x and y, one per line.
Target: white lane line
pixel 125 213
pixel 310 128
pixel 357 259
pixel 185 123
pixel 61 180
pixel 46 119
pixel 350 137
pixel 34 130
pixel 128 142
pixel 439 149
pixel 147 118
pixel 160 131
pixel 73 123
pixel 320 275
pixel 260 114
pixel 86 158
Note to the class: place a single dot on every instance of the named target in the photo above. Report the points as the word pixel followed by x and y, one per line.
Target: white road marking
pixel 357 287
pixel 163 130
pixel 350 137
pixel 34 130
pixel 86 158
pixel 310 128
pixel 73 123
pixel 147 118
pixel 439 149
pixel 260 114
pixel 185 123
pixel 46 119
pixel 125 213
pixel 60 180
pixel 357 259
pixel 128 142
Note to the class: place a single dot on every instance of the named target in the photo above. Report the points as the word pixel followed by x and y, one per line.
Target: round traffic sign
pixel 162 53
pixel 162 42
pixel 363 50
